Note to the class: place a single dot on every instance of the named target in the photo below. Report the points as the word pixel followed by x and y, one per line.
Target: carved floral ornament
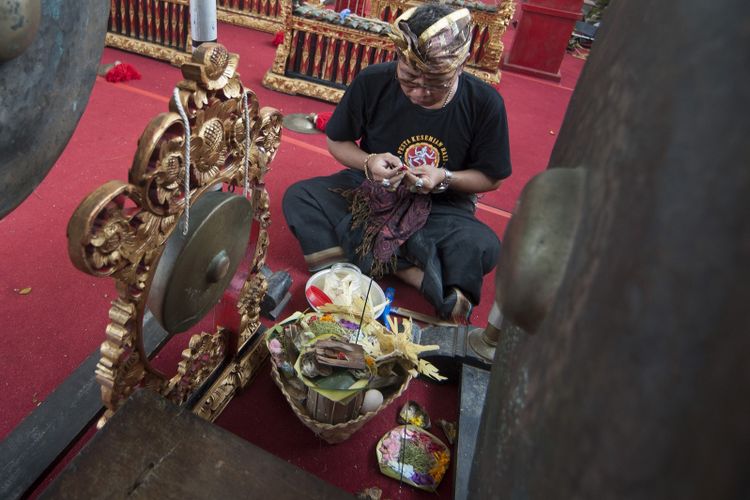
pixel 120 229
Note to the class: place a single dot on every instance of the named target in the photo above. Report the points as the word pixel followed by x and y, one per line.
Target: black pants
pixel 454 249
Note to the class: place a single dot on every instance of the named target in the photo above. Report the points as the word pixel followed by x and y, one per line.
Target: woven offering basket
pixel 333 433
pixel 335 420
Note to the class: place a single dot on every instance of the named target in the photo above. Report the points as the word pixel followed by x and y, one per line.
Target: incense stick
pixel 364 308
pixel 401 457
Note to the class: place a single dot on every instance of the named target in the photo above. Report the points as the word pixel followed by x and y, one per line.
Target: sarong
pixel 454 248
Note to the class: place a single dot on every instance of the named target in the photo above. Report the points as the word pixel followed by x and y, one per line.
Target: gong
pixel 45 81
pixel 301 122
pixel 196 267
pixel 633 272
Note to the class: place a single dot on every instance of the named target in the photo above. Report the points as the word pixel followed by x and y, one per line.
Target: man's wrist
pixel 447 179
pixel 365 167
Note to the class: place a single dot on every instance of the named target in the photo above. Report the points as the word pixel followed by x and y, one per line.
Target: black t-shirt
pixel 471 132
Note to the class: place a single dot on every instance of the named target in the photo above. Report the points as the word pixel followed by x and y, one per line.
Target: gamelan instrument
pixel 173 246
pixel 47 70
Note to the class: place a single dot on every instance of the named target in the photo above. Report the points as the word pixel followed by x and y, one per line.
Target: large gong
pixel 49 52
pixel 635 381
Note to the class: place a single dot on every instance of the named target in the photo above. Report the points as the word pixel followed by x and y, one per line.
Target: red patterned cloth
pixel 389 219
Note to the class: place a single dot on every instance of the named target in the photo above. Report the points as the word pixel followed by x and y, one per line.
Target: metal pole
pixel 203 21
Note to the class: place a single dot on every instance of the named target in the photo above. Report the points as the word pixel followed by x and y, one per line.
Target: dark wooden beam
pixel 34 446
pixel 152 448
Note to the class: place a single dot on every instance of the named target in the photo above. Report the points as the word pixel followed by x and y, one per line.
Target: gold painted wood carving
pixel 294 86
pixel 121 229
pixel 153 28
pixel 261 15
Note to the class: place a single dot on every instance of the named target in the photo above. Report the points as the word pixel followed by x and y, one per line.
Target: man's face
pixel 424 89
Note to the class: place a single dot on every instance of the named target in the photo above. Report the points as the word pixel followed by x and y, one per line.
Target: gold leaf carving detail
pixel 204 353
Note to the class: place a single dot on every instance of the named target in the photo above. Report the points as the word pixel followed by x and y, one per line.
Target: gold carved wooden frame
pixel 121 228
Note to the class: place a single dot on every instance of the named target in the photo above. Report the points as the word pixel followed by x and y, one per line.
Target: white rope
pixel 186 123
pixel 246 165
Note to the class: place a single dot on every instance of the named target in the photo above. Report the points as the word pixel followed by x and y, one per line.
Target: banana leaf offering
pixel 342 351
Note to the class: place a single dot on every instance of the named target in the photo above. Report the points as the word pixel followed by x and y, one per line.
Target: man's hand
pixel 380 167
pixel 424 179
pixel 386 169
pixel 384 166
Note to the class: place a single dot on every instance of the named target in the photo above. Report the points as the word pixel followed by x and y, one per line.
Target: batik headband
pixel 441 48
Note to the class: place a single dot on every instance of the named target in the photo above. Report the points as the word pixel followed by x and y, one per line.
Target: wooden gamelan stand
pixel 321 52
pixel 161 28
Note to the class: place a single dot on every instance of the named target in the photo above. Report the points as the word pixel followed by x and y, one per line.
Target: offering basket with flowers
pixel 324 362
pixel 413 455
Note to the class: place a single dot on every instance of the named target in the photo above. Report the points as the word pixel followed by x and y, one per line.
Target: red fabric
pixel 122 72
pixel 321 120
pixel 278 39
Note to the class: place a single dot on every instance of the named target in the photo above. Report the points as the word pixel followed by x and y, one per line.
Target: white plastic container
pixel 377 296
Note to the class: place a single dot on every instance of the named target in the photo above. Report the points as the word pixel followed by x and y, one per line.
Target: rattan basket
pixel 334 433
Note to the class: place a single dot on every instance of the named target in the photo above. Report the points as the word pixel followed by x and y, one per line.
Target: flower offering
pixel 413 455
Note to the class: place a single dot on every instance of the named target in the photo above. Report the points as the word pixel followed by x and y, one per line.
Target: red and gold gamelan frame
pixel 161 28
pixel 261 15
pixel 323 52
pixel 321 55
pixel 154 28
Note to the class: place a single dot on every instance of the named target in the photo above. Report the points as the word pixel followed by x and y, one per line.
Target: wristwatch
pixel 445 182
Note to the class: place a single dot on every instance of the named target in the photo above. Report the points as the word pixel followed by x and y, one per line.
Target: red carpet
pixel 51 330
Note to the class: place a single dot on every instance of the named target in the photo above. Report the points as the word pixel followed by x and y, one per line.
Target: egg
pixel 372 401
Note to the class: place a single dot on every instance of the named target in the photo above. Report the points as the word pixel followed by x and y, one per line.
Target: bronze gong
pixel 45 84
pixel 636 382
pixel 195 269
pixel 302 123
